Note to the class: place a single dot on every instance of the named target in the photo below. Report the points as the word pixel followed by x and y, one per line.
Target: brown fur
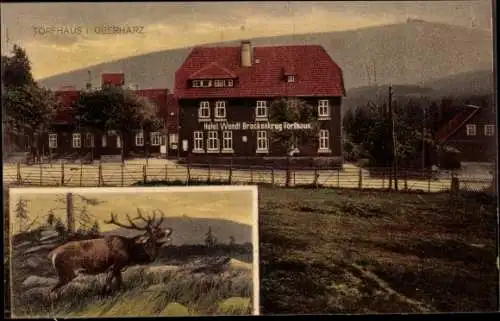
pixel 110 254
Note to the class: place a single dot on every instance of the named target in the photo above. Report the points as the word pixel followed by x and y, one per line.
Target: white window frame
pixel 220 105
pixel 471 129
pixel 155 138
pixel 196 84
pixel 89 137
pixel 229 83
pixel 52 140
pixel 173 138
pixel 118 141
pixel 261 110
pixel 204 105
pixel 323 109
pixel 139 138
pixel 213 141
pixel 104 140
pixel 489 130
pixel 227 141
pixel 219 83
pixel 324 141
pixel 262 141
pixel 76 140
pixel 198 142
pixel 290 78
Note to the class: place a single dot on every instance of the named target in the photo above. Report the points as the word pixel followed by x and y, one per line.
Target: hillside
pixel 406 53
pixel 189 230
pixel 463 84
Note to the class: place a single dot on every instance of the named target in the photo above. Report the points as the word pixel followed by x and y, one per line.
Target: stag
pixel 110 254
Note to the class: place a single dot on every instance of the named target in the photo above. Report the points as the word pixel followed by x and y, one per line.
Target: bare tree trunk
pixel 69 213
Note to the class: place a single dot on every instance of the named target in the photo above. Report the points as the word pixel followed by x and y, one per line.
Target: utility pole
pixel 394 140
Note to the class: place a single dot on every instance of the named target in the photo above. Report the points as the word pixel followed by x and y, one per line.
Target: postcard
pixel 115 252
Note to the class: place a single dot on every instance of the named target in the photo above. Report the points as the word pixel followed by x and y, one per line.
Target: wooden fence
pixel 94 175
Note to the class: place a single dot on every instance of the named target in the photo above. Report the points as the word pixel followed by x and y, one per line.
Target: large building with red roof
pixel 224 95
pixel 65 138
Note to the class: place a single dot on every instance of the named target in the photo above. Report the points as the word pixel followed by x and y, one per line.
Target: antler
pixel 161 218
pixel 150 220
pixel 131 226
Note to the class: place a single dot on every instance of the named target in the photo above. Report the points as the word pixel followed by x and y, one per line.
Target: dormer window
pixel 204 111
pixel 229 83
pixel 218 83
pixel 290 78
pixel 201 83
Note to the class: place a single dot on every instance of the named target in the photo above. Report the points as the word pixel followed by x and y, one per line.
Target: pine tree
pixel 210 240
pixel 95 230
pixel 22 214
pixel 85 220
pixel 232 240
pixel 51 218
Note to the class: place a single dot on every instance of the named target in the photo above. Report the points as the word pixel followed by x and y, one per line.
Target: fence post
pixel 41 175
pixel 316 177
pixel 383 178
pixel 18 173
pixel 406 180
pixel 209 178
pixel 294 182
pixel 251 175
pixel 81 174
pixel 62 174
pixel 144 173
pixel 188 173
pixel 272 177
pixel 166 173
pixel 455 185
pixel 99 175
pixel 122 168
pixel 230 178
pixel 338 178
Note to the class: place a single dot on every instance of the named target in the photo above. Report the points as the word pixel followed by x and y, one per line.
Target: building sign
pixel 257 126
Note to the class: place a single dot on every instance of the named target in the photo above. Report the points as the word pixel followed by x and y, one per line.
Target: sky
pixel 237 205
pixel 61 37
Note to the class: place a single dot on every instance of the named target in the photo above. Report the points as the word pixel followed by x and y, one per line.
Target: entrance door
pixel 111 144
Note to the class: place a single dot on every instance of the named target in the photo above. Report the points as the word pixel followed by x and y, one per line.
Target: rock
pixel 37 281
pixel 22 244
pixel 32 263
pixel 46 234
pixel 175 309
pixel 39 248
pixel 235 306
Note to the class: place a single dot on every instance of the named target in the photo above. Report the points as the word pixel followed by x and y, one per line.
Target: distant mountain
pixel 190 230
pixel 405 53
pixel 463 84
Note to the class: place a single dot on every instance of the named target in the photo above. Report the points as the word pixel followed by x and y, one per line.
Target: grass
pixel 144 294
pixel 429 248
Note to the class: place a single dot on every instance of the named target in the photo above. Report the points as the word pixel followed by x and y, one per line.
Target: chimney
pixel 246 54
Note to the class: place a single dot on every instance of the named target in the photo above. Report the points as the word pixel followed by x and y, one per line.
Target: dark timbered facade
pixel 64 139
pixel 225 94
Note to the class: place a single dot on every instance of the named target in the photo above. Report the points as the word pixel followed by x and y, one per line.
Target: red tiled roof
pixel 317 74
pixel 116 79
pixel 67 99
pixel 157 96
pixel 211 71
pixel 457 122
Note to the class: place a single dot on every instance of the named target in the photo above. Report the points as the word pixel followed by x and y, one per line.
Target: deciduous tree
pixel 115 108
